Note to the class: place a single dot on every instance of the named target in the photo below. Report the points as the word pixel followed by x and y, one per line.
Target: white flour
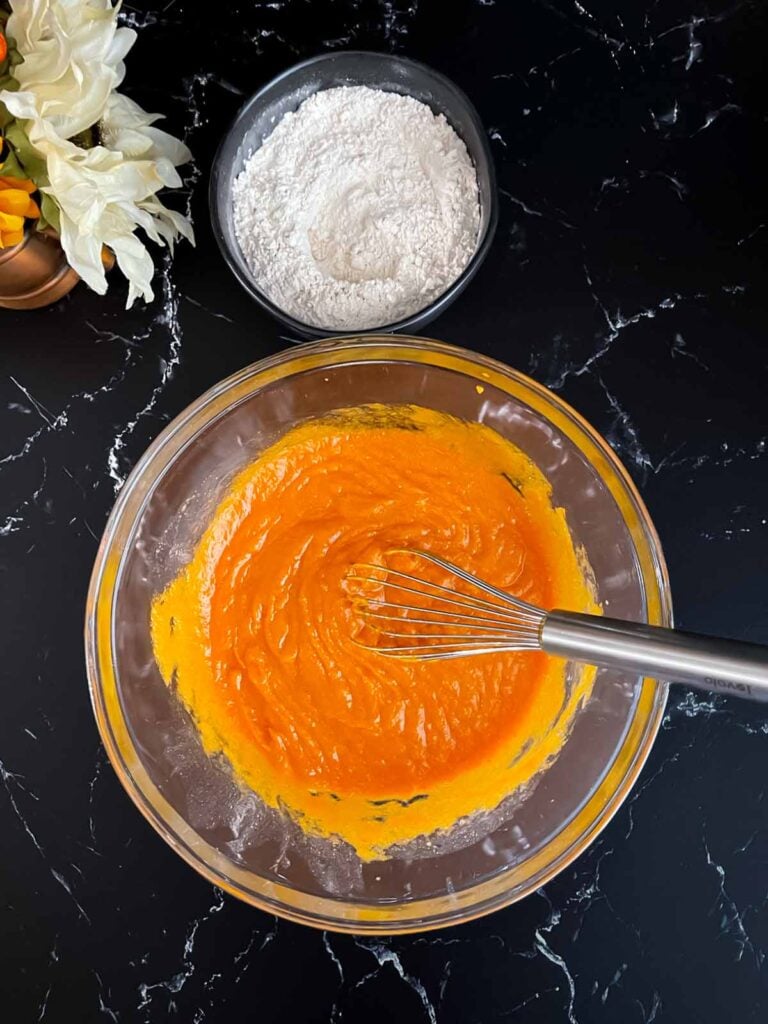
pixel 358 210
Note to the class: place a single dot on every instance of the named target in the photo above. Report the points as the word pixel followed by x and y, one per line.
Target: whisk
pixel 450 623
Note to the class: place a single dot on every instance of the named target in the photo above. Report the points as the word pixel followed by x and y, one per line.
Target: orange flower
pixel 3 48
pixel 16 203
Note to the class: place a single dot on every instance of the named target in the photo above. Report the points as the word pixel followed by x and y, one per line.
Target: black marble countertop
pixel 629 274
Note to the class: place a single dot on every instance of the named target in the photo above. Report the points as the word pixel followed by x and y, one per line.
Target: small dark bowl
pixel 257 120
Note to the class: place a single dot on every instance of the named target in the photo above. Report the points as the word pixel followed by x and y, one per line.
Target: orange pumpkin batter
pixel 257 630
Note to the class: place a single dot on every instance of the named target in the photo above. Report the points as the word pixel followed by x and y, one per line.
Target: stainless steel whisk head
pixel 449 623
pixel 424 621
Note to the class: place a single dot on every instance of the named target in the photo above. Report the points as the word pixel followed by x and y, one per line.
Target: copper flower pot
pixel 35 272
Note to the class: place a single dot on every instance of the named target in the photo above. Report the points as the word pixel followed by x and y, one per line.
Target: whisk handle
pixel 720 666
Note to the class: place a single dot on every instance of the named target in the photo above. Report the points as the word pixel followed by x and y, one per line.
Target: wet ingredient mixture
pixel 257 631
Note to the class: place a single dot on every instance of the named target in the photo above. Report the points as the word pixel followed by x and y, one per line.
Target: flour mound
pixel 359 209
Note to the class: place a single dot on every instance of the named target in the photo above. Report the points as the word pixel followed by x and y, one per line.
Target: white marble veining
pixel 135 935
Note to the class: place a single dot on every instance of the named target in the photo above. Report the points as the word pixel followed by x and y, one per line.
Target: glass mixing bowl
pixel 224 831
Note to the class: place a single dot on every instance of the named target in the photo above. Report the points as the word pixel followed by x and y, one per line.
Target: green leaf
pixel 49 213
pixel 34 165
pixel 7 80
pixel 11 166
pixel 11 85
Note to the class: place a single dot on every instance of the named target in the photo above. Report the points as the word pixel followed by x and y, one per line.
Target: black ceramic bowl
pixel 264 110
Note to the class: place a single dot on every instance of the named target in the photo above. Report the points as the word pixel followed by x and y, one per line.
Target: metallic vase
pixel 35 272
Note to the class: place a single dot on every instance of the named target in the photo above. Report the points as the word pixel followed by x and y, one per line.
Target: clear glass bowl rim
pixel 327 912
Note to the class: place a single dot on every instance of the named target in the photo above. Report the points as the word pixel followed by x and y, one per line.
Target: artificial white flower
pixel 73 56
pixel 103 197
pixel 73 60
pixel 128 128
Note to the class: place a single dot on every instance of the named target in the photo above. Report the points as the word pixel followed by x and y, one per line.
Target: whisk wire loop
pixel 457 624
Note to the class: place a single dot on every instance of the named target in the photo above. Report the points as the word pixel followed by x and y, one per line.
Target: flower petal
pixel 83 254
pixel 17 201
pixel 125 126
pixel 11 221
pixel 136 263
pixel 10 238
pixel 22 183
pixel 73 59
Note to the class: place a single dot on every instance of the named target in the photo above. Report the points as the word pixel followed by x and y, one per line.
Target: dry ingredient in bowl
pixel 359 210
